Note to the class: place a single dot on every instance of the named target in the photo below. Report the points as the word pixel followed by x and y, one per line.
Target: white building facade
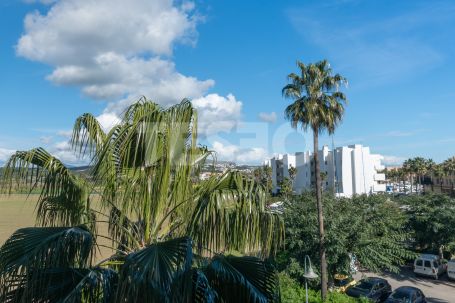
pixel 348 170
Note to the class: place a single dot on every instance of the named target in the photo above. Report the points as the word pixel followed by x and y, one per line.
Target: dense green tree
pixel 263 175
pixel 160 215
pixel 318 104
pixel 370 228
pixel 432 220
pixel 286 188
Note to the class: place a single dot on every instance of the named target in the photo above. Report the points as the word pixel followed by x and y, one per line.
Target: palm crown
pixel 167 227
pixel 318 103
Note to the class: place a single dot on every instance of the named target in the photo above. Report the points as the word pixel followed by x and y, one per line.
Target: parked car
pixel 429 265
pixel 375 289
pixel 342 282
pixel 451 269
pixel 407 294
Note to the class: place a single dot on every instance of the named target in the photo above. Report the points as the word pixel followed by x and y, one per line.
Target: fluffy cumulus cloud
pixel 117 53
pixel 238 154
pixel 217 113
pixel 268 117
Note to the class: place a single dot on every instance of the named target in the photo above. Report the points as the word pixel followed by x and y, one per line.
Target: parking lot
pixel 437 291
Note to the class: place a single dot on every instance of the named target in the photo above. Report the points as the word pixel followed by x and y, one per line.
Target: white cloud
pixel 65 133
pixel 393 160
pixel 217 113
pixel 119 52
pixel 5 154
pixel 268 117
pixel 63 151
pixel 79 30
pixel 45 139
pixel 238 154
pixel 108 120
pixel 114 76
pixel 123 60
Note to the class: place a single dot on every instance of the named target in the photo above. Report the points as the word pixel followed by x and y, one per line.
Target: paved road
pixel 436 291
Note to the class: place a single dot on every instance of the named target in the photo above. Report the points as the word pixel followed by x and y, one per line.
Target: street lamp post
pixel 309 274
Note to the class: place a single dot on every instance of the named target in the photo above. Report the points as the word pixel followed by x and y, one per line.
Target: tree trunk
pixel 411 183
pixel 322 252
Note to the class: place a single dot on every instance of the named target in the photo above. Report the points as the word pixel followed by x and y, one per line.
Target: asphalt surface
pixel 436 291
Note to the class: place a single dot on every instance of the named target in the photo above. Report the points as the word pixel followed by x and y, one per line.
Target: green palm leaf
pixel 69 285
pixel 46 247
pixel 64 198
pixel 148 274
pixel 230 213
pixel 88 135
pixel 243 279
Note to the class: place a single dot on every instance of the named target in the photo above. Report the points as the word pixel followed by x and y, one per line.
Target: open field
pixel 18 211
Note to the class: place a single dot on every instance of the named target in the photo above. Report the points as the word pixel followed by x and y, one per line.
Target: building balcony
pixel 379 188
pixel 379 177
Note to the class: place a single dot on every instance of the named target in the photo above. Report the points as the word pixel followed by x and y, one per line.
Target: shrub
pixel 292 291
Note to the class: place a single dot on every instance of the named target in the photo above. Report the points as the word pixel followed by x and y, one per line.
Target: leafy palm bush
pixel 170 230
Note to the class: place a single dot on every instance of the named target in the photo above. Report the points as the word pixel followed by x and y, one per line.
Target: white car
pixel 451 269
pixel 429 265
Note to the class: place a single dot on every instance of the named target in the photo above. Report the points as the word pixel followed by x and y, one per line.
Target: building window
pixel 327 183
pixel 325 162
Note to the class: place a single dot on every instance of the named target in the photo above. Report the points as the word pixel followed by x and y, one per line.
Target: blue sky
pixel 59 59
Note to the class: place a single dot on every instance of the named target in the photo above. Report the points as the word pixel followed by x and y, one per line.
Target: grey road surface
pixel 436 291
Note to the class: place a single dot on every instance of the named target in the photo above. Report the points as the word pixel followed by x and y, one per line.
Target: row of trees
pixel 418 168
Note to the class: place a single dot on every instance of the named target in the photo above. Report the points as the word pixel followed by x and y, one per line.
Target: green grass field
pixel 18 211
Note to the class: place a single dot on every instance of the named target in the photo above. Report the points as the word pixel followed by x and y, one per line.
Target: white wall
pixel 351 170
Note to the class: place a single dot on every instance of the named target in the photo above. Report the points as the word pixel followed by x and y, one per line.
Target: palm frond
pixel 88 135
pixel 230 213
pixel 71 285
pixel 46 247
pixel 148 274
pixel 243 279
pixel 64 198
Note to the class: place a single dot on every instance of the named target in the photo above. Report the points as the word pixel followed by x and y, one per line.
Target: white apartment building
pixel 349 170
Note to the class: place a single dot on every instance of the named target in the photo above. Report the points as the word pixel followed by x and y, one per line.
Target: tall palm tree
pixel 439 173
pixel 409 170
pixel 318 105
pixel 449 169
pixel 169 230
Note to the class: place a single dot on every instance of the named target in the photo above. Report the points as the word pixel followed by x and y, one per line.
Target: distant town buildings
pixel 347 171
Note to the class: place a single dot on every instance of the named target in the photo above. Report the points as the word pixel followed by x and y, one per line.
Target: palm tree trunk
pixel 322 252
pixel 411 183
